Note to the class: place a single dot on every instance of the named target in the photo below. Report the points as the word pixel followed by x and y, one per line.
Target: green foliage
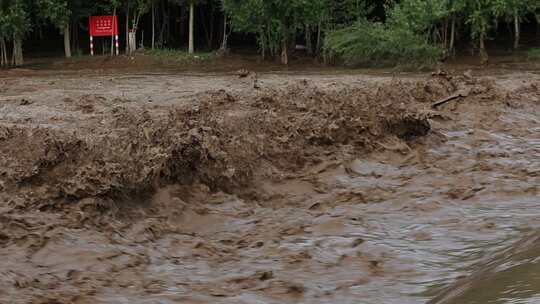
pixel 509 9
pixel 418 16
pixel 346 12
pixel 14 18
pixel 246 16
pixel 276 21
pixel 256 16
pixel 533 54
pixel 57 11
pixel 377 44
pixel 318 11
pixel 410 27
pixel 480 16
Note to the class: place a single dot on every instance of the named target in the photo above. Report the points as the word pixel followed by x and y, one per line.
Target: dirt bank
pixel 219 189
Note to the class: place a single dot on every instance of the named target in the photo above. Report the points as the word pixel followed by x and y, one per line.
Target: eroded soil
pixel 262 189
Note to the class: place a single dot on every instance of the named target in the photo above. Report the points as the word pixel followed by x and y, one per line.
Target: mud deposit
pixel 269 189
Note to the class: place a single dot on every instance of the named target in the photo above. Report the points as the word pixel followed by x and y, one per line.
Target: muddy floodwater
pixel 271 188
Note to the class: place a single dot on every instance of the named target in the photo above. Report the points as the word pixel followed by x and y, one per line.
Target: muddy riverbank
pixel 260 189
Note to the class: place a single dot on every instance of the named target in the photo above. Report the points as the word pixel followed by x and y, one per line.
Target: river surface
pixel 394 227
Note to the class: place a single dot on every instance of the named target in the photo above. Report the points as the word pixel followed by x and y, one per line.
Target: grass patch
pixel 533 54
pixel 367 44
pixel 178 55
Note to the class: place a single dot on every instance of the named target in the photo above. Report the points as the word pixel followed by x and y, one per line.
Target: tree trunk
pixel 451 46
pixel 75 37
pixel 17 59
pixel 3 53
pixel 164 25
pixel 484 58
pixel 211 25
pixel 168 23
pixel 309 42
pixel 225 36
pixel 263 44
pixel 127 30
pixel 292 40
pixel 538 26
pixel 284 52
pixel 112 36
pixel 153 25
pixel 132 41
pixel 67 41
pixel 318 49
pixel 445 34
pixel 191 49
pixel 285 45
pixel 517 31
pixel 131 34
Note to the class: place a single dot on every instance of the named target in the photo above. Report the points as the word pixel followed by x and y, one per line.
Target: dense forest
pixel 352 32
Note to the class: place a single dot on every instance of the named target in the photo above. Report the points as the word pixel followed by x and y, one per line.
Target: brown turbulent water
pixel 339 204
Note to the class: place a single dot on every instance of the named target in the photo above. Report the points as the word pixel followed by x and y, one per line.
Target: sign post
pixel 103 26
pixel 91 45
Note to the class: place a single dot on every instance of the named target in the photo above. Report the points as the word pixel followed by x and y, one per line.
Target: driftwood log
pixel 460 94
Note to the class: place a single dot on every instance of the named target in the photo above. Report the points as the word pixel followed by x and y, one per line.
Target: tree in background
pixel 249 16
pixel 138 9
pixel 191 4
pixel 59 13
pixel 277 24
pixel 153 12
pixel 513 11
pixel 224 48
pixel 316 16
pixel 420 16
pixel 4 35
pixel 347 12
pixel 14 24
pixel 456 9
pixel 480 20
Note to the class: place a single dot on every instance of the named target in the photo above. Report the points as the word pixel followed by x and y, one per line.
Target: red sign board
pixel 103 26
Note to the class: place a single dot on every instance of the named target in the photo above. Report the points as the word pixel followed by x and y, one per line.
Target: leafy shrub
pixel 376 44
